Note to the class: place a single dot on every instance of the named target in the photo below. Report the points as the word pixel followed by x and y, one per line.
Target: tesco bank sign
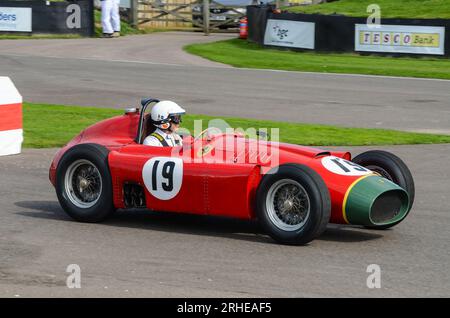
pixel 15 19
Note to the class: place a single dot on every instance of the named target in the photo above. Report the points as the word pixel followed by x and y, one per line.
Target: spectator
pixel 110 18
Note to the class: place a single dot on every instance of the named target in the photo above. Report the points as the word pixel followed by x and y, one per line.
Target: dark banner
pixel 63 17
pixel 336 33
pixel 257 20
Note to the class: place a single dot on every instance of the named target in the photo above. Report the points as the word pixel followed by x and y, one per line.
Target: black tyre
pixel 293 204
pixel 392 168
pixel 83 183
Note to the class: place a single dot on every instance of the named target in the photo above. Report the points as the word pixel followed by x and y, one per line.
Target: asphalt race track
pixel 156 254
pixel 146 254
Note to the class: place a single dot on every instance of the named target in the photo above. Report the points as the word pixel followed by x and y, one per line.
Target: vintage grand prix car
pixel 293 191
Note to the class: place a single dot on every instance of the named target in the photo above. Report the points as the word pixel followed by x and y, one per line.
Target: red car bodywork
pixel 225 187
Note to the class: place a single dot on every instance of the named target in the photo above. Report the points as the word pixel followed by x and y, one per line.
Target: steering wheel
pixel 207 131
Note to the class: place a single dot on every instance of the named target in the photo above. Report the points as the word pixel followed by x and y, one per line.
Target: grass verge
pixel 39 36
pixel 240 53
pixel 408 9
pixel 54 125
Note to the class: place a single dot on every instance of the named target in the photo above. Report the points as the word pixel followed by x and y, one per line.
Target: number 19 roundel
pixel 163 177
pixel 343 167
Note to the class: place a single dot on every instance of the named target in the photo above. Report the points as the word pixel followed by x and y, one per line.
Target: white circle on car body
pixel 163 176
pixel 343 167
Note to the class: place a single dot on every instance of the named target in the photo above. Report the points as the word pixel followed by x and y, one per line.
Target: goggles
pixel 176 119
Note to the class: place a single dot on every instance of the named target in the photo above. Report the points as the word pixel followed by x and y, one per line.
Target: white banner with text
pixel 15 19
pixel 400 39
pixel 288 33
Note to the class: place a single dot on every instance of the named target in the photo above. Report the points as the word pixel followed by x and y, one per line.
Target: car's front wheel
pixel 293 204
pixel 83 185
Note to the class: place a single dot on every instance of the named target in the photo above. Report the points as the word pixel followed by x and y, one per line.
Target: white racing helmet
pixel 165 112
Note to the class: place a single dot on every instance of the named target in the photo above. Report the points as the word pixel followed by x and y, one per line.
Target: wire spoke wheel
pixel 83 183
pixel 293 204
pixel 288 205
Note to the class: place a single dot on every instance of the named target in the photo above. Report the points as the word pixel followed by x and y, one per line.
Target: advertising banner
pixel 15 19
pixel 49 17
pixel 295 34
pixel 400 39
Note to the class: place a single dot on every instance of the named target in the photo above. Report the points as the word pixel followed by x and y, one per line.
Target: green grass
pixel 240 53
pixel 54 125
pixel 39 36
pixel 426 9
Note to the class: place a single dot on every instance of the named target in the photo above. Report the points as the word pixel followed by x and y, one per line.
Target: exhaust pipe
pixel 374 201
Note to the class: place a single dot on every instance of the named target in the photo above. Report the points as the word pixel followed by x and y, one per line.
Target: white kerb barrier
pixel 11 131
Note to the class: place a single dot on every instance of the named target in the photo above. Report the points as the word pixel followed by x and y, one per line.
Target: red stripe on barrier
pixel 10 117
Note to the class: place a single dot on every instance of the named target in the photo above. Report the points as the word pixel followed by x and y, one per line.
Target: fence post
pixel 206 17
pixel 91 7
pixel 134 4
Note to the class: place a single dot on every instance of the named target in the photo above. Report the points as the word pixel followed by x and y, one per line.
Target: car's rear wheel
pixel 83 185
pixel 293 204
pixel 391 167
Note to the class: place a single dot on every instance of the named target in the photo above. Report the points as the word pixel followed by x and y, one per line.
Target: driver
pixel 166 117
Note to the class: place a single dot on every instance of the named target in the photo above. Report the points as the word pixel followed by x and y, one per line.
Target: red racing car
pixel 293 191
